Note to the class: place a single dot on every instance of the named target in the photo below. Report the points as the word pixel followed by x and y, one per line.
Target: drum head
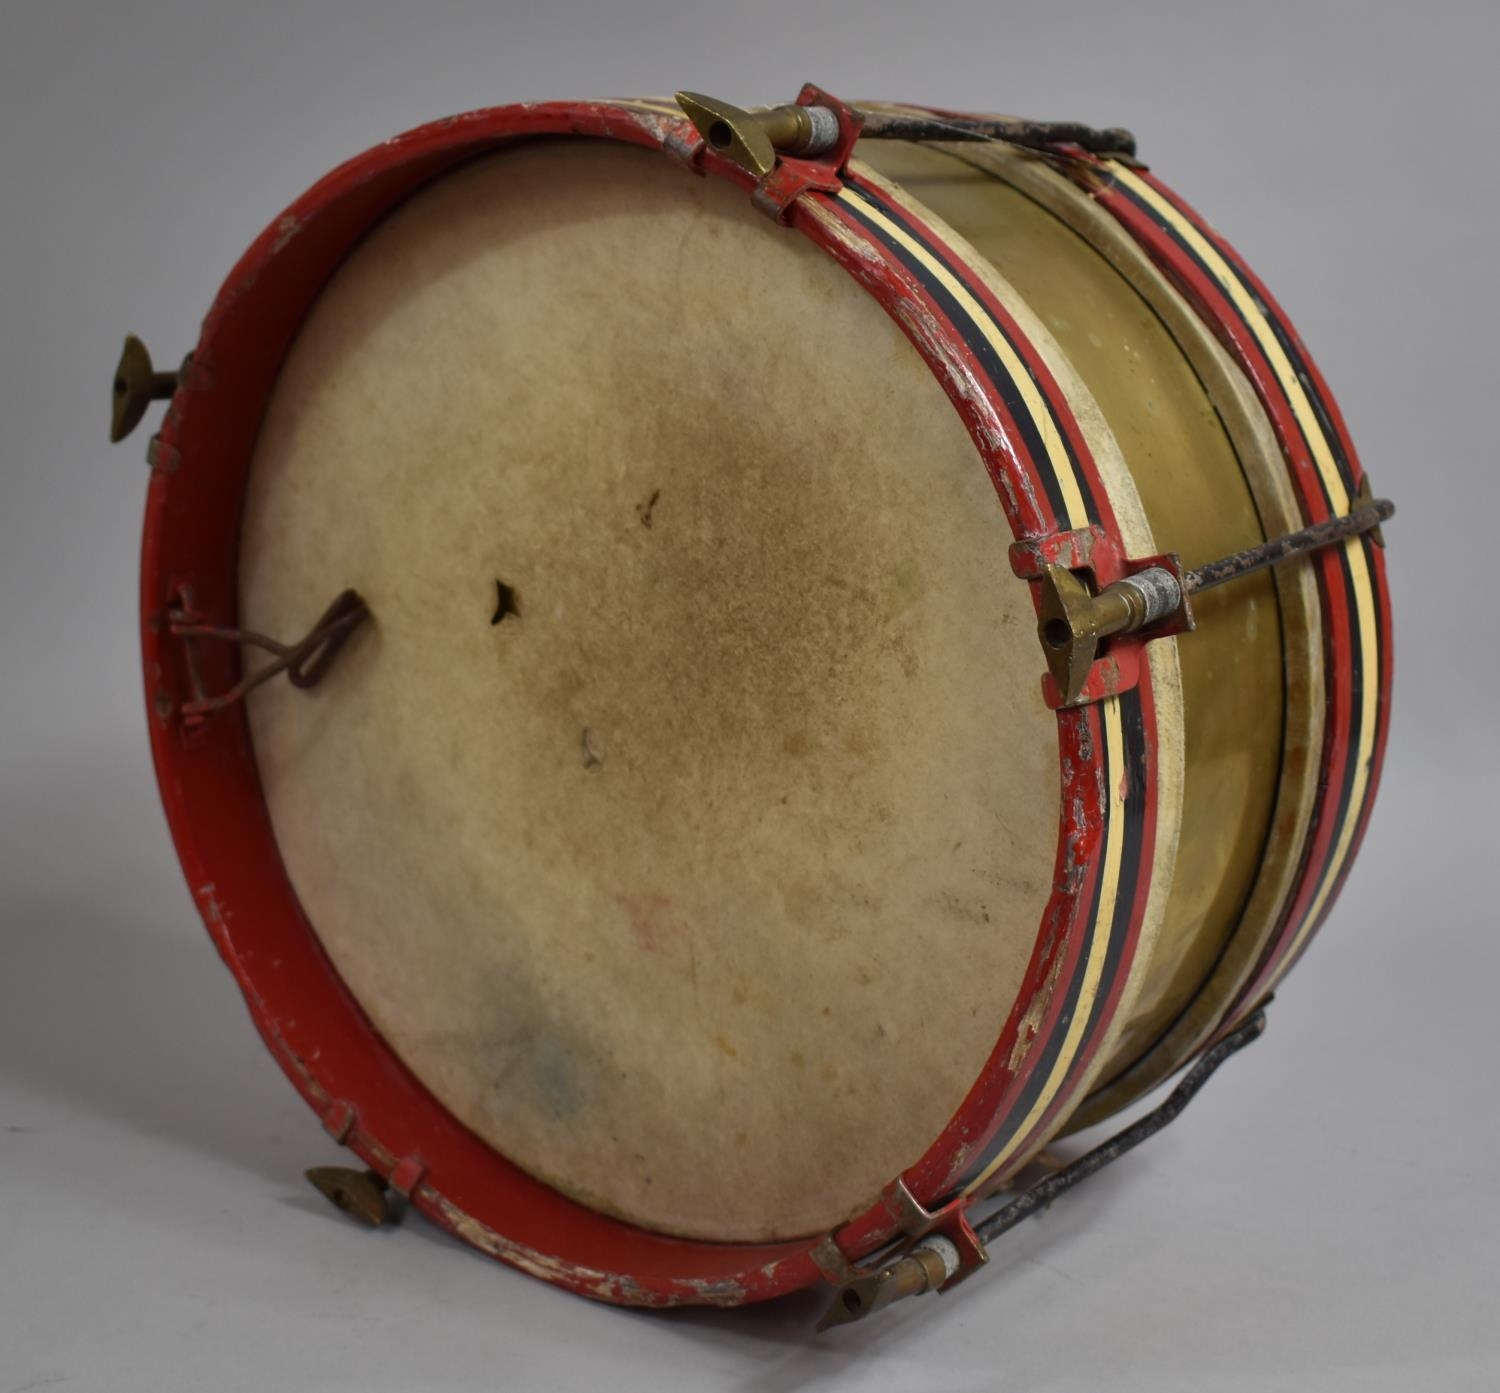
pixel 685 817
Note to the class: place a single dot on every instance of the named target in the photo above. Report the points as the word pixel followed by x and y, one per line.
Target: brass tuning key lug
pixel 358 1193
pixel 754 138
pixel 1074 621
pixel 136 385
pixel 928 1266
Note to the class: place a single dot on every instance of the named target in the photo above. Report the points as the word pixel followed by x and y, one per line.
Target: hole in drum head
pixel 1056 633
pixel 720 135
pixel 506 602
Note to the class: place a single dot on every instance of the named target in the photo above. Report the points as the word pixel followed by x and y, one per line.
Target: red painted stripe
pixel 927 1170
pixel 1036 365
pixel 1056 1113
pixel 1058 955
pixel 1382 671
pixel 1274 966
pixel 1274 310
pixel 936 340
pixel 1214 307
pixel 1092 486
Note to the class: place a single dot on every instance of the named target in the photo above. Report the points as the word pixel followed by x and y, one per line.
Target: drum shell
pixel 209 783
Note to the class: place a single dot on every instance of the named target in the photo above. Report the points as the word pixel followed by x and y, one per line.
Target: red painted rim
pixel 216 810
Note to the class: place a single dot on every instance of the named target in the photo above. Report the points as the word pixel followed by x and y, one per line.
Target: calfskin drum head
pixel 685 815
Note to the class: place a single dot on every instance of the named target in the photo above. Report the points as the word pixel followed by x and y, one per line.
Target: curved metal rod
pixel 910 1272
pixel 1365 518
pixel 1040 1195
pixel 1012 130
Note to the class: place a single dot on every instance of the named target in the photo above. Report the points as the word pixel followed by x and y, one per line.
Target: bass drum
pixel 684 880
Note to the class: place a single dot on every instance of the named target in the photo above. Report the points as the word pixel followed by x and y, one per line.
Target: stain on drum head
pixel 702 885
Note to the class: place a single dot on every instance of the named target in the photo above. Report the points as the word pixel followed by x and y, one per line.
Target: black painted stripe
pixel 984 352
pixel 1279 329
pixel 1135 768
pixel 1191 254
pixel 1359 660
pixel 1132 761
pixel 1357 657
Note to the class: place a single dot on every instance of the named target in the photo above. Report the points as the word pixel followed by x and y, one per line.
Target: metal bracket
pixel 918 1268
pixel 941 1250
pixel 951 1221
pixel 790 149
pixel 1093 636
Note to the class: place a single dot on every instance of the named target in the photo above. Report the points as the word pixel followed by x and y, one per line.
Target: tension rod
pixel 1073 621
pixel 755 137
pixel 921 1268
pixel 1365 518
pixel 1009 130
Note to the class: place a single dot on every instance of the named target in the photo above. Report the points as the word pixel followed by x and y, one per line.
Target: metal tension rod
pixel 915 1271
pixel 1367 517
pixel 304 662
pixel 754 137
pixel 1040 1195
pixel 1012 130
pixel 1073 621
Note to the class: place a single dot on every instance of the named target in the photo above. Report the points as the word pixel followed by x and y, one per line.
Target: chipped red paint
pixel 214 803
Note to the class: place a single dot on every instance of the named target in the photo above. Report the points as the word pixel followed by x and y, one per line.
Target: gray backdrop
pixel 1324 1218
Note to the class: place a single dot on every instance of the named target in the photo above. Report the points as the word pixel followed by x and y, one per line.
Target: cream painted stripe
pixel 1338 493
pixel 1291 384
pixel 1057 455
pixel 1083 1011
pixel 1365 602
pixel 1062 467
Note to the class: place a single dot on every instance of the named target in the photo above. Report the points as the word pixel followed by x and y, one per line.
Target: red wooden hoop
pixel 214 804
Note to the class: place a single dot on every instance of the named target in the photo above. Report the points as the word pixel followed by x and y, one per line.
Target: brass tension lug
pixel 787 150
pixel 941 1250
pixel 928 1265
pixel 753 138
pixel 135 386
pixel 360 1193
pixel 1154 599
pixel 1073 621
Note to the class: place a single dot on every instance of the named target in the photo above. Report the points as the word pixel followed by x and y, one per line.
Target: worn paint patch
pixel 287 227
